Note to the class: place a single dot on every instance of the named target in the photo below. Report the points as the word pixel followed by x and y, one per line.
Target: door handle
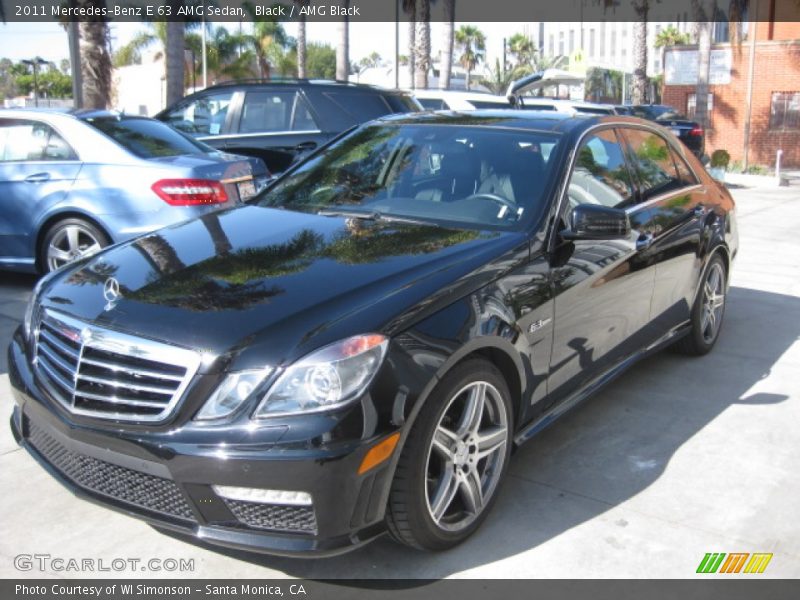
pixel 644 241
pixel 305 146
pixel 37 177
pixel 699 211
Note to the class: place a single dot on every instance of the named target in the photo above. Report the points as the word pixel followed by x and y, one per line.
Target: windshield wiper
pixel 370 216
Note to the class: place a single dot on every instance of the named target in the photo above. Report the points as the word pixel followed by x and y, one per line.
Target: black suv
pixel 278 121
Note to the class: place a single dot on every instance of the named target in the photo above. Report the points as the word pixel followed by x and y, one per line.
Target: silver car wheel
pixel 69 243
pixel 713 303
pixel 466 456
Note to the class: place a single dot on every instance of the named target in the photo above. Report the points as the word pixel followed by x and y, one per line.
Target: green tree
pixel 522 50
pixel 320 61
pixel 472 46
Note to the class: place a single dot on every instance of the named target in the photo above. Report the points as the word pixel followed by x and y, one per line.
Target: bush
pixel 720 159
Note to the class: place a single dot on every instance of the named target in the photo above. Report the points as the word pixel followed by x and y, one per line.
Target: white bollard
pixel 778 155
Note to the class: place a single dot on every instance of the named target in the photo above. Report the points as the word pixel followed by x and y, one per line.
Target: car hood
pixel 264 286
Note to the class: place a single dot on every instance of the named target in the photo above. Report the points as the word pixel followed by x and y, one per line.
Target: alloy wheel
pixel 713 303
pixel 70 243
pixel 466 456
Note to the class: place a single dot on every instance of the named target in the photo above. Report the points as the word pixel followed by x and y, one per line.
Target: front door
pixel 602 288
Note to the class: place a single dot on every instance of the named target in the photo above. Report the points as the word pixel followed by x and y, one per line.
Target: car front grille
pixel 276 517
pixel 125 485
pixel 102 373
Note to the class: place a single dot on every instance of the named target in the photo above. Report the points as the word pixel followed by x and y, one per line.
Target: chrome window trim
pixel 226 136
pixel 100 338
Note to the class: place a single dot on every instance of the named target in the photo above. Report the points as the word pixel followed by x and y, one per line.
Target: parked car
pixel 688 131
pixel 74 182
pixel 281 121
pixel 358 351
pixel 456 100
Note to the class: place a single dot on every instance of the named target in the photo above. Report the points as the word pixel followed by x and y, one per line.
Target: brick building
pixel 762 95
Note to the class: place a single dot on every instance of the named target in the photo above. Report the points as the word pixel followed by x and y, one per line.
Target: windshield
pixel 147 138
pixel 474 177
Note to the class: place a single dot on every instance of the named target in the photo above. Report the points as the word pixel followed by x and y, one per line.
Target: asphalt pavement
pixel 677 458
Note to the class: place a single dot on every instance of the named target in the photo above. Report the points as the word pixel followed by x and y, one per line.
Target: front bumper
pixel 168 482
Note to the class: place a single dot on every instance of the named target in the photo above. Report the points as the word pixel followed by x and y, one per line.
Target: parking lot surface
pixel 677 458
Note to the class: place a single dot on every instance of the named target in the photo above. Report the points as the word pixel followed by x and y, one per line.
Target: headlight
pixel 327 378
pixel 231 393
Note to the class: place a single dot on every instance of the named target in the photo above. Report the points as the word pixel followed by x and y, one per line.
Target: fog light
pixel 246 494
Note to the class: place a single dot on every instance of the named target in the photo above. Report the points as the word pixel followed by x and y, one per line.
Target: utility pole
pixel 35 63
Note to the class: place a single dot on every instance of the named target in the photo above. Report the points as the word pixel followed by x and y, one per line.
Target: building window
pixel 571 41
pixel 602 40
pixel 552 44
pixel 785 110
pixel 613 44
pixel 561 43
pixel 591 42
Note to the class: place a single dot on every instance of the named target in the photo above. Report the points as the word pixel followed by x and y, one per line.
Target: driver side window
pixel 600 175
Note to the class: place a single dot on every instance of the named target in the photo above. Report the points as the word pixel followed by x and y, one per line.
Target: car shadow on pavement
pixel 16 289
pixel 606 452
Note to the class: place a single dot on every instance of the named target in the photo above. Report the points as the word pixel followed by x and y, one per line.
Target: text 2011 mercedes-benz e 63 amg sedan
pixel 358 351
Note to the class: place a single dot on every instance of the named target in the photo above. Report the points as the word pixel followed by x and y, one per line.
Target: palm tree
pixel 225 57
pixel 642 8
pixel 95 43
pixel 343 47
pixel 301 42
pixel 446 66
pixel 522 49
pixel 410 8
pixel 498 79
pixel 267 35
pixel 423 43
pixel 174 47
pixel 472 45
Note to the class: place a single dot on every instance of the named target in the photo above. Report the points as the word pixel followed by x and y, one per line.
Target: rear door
pixel 602 287
pixel 37 169
pixel 276 125
pixel 676 203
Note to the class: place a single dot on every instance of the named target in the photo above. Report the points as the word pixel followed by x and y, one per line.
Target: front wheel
pixel 454 459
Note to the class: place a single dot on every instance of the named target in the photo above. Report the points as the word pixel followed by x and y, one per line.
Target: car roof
pixel 288 82
pixel 507 118
pixel 58 113
pixel 461 95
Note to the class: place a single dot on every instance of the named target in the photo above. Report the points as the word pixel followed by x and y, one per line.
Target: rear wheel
pixel 708 311
pixel 69 240
pixel 454 459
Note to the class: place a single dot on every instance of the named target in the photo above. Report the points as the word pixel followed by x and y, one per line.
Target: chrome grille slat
pixel 116 383
pixel 56 359
pixel 118 400
pixel 136 372
pixel 59 379
pixel 108 374
pixel 53 341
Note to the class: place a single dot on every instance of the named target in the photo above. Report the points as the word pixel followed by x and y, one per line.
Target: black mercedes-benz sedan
pixel 360 349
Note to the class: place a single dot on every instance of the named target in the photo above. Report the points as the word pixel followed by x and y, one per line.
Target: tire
pixel 707 312
pixel 453 465
pixel 69 240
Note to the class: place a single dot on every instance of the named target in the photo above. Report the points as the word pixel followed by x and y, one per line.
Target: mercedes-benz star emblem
pixel 111 292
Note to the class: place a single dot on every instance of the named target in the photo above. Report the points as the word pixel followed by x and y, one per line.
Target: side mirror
pixel 596 222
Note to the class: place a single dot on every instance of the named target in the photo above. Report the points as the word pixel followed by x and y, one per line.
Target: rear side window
pixel 489 104
pixel 432 103
pixel 601 174
pixel 203 116
pixel 274 112
pixel 22 141
pixel 685 174
pixel 362 106
pixel 401 103
pixel 147 138
pixel 652 160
